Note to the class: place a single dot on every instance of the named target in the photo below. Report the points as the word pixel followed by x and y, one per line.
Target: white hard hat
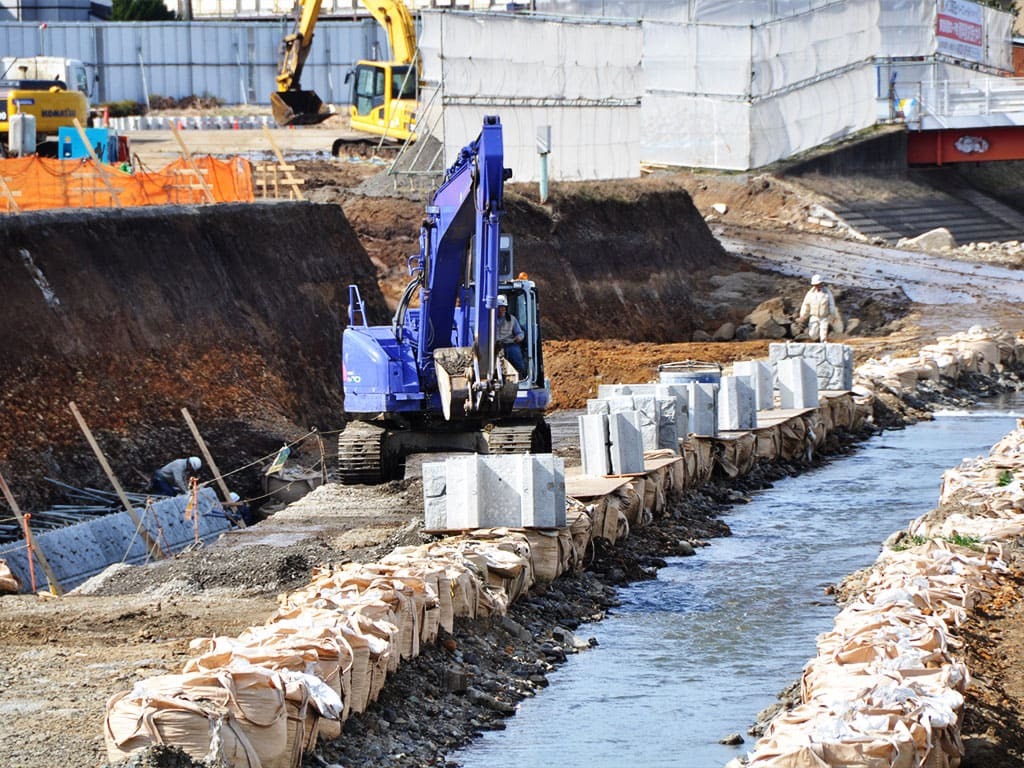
pixel 816 280
pixel 195 463
pixel 235 498
pixel 502 301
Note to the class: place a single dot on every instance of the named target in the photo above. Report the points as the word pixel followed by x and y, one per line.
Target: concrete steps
pixel 970 215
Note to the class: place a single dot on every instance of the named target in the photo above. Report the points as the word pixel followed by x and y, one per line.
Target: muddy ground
pixel 629 274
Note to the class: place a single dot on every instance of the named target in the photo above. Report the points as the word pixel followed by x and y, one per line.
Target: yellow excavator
pixel 53 89
pixel 384 93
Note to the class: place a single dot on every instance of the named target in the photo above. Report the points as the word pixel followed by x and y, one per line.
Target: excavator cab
pixel 384 99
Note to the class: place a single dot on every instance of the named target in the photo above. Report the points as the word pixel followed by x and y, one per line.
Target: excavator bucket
pixel 299 108
pixel 463 394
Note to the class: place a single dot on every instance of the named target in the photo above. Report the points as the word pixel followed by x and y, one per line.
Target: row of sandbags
pixel 982 498
pixel 261 699
pixel 886 688
pixel 979 350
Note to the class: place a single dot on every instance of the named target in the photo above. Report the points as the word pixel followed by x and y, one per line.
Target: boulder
pixel 773 309
pixel 933 240
pixel 769 329
pixel 726 332
pixel 700 335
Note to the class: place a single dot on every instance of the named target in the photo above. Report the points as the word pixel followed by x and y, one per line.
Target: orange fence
pixel 34 183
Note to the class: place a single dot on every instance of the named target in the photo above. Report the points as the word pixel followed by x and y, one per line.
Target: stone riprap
pixel 832 363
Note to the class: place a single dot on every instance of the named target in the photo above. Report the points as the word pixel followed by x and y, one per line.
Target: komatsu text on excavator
pixel 384 93
pixel 436 378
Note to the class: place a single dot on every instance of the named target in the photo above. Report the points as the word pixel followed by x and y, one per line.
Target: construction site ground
pixel 630 274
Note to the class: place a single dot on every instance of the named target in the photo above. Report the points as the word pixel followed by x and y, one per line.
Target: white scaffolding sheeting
pixel 815 114
pixel 580 77
pixel 835 37
pixel 907 27
pixel 998 34
pixel 696 59
pixel 742 96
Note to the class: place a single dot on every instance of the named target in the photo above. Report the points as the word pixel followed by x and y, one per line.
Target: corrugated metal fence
pixel 234 61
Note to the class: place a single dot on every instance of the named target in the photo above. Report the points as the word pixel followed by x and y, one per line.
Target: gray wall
pixel 234 61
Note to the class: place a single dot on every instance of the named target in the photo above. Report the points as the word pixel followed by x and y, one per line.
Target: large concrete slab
pixel 78 552
pixel 475 491
pixel 798 384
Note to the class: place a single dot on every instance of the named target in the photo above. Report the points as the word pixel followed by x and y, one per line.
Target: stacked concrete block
pixel 669 414
pixel 626 444
pixel 594 451
pixel 737 407
pixel 832 363
pixel 703 408
pixel 798 384
pixel 758 374
pixel 514 491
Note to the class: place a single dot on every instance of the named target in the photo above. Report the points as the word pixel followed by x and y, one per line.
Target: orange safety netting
pixel 34 183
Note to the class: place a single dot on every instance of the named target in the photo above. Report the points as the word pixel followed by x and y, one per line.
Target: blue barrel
pixel 687 371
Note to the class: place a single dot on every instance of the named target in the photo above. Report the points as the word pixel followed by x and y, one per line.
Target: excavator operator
pixel 509 334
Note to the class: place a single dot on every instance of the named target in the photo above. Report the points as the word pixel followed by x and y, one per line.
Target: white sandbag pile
pixel 988 496
pixel 886 688
pixel 261 699
pixel 979 350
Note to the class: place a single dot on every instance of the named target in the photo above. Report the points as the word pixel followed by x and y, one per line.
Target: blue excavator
pixel 437 379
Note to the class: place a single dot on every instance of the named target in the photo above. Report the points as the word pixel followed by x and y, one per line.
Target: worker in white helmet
pixel 173 478
pixel 509 335
pixel 819 309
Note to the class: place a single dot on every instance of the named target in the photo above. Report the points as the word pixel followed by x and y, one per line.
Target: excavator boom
pixel 290 104
pixel 394 16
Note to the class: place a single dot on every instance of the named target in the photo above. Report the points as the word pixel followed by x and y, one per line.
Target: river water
pixel 695 654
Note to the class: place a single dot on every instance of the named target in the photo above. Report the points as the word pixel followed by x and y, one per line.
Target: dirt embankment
pixel 234 312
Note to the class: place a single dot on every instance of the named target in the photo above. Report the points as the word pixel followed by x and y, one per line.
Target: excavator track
pixel 361 454
pixel 529 437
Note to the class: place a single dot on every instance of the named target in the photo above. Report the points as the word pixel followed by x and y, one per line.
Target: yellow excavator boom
pixel 394 17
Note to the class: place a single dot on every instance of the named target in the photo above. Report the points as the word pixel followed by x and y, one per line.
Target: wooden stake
pixel 154 548
pixel 209 460
pixel 191 164
pixel 99 166
pixel 33 547
pixel 280 158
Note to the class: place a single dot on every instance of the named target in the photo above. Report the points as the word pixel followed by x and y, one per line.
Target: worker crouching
pixel 173 478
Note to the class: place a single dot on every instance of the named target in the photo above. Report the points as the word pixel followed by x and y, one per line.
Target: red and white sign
pixel 960 30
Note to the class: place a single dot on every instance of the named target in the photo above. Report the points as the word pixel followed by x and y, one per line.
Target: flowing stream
pixel 695 654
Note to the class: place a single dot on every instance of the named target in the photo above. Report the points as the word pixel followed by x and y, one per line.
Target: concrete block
pixel 597 405
pixel 626 443
pixel 798 384
pixel 462 492
pixel 668 432
pixel 737 409
pixel 435 501
pixel 514 490
pixel 703 408
pixel 758 374
pixel 78 552
pixel 832 363
pixel 594 443
pixel 650 419
pixel 680 393
pixel 606 391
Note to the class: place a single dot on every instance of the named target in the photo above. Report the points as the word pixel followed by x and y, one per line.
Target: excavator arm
pixel 464 224
pixel 290 104
pixel 394 17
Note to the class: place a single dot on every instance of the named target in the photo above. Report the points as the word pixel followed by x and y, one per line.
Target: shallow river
pixel 695 654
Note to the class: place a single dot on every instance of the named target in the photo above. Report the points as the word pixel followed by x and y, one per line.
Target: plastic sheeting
pixel 739 97
pixel 580 78
pixel 910 28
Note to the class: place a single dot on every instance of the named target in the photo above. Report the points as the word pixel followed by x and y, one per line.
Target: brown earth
pixel 237 315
